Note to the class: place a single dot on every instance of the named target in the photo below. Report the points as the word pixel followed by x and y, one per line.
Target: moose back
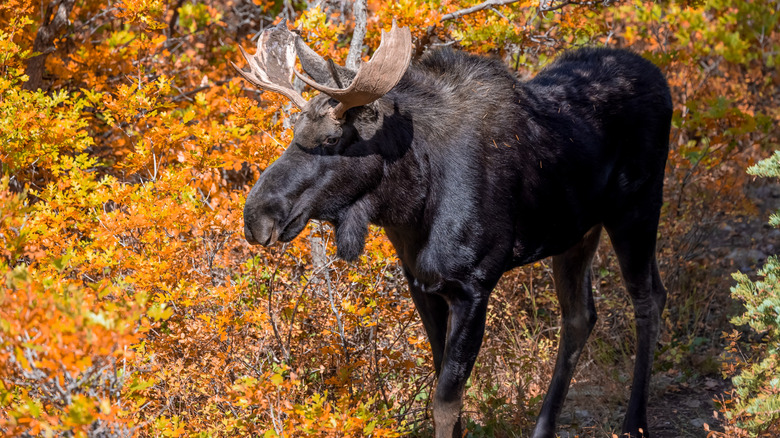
pixel 471 173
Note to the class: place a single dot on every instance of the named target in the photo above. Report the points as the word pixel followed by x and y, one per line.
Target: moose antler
pixel 271 67
pixel 376 77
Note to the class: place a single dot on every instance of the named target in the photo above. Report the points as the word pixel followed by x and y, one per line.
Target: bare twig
pixel 319 262
pixel 315 274
pixel 484 5
pixel 497 12
pixel 544 6
pixel 186 95
pixel 547 7
pixel 270 283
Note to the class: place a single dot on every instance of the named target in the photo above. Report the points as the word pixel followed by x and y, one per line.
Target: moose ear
pixel 320 70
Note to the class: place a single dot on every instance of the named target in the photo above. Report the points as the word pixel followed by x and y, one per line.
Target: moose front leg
pixel 434 313
pixel 468 307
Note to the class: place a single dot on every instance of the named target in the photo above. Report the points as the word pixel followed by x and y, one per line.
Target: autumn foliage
pixel 131 305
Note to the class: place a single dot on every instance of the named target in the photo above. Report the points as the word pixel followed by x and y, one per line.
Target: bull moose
pixel 473 172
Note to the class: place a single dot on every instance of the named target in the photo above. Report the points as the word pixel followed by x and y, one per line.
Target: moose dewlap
pixel 471 173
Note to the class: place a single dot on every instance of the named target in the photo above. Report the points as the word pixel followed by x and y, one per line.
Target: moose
pixel 472 172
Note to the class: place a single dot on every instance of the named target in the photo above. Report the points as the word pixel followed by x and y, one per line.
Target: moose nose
pixel 249 237
pixel 261 231
pixel 267 205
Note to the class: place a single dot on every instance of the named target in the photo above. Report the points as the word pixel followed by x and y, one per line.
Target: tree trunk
pixel 356 46
pixel 51 27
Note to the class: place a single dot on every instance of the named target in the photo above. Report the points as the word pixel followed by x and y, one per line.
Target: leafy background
pixel 131 305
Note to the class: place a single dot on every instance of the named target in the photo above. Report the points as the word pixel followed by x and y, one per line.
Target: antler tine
pixel 376 77
pixel 271 67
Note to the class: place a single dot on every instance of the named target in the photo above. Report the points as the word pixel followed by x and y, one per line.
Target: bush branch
pixel 544 6
pixel 476 8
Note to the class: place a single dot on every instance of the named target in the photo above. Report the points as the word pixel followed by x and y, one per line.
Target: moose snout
pixel 264 210
pixel 274 210
pixel 262 218
pixel 261 231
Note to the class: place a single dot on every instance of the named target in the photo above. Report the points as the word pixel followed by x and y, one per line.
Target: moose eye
pixel 331 141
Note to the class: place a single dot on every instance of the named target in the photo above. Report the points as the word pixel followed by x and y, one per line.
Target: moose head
pixel 328 164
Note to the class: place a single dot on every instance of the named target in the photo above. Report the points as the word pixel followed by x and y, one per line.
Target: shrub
pixel 755 402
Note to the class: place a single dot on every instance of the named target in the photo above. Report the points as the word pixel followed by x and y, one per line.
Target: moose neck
pixel 399 198
pixel 438 134
pixel 413 146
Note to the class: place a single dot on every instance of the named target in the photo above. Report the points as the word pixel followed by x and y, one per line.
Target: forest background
pixel 131 305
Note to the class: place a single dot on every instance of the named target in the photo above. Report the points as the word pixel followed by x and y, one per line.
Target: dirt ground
pixel 676 410
pixel 683 411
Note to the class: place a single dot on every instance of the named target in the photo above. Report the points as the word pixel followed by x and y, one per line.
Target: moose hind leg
pixel 634 244
pixel 572 275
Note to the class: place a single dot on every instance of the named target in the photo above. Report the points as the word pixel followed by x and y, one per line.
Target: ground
pixel 677 410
